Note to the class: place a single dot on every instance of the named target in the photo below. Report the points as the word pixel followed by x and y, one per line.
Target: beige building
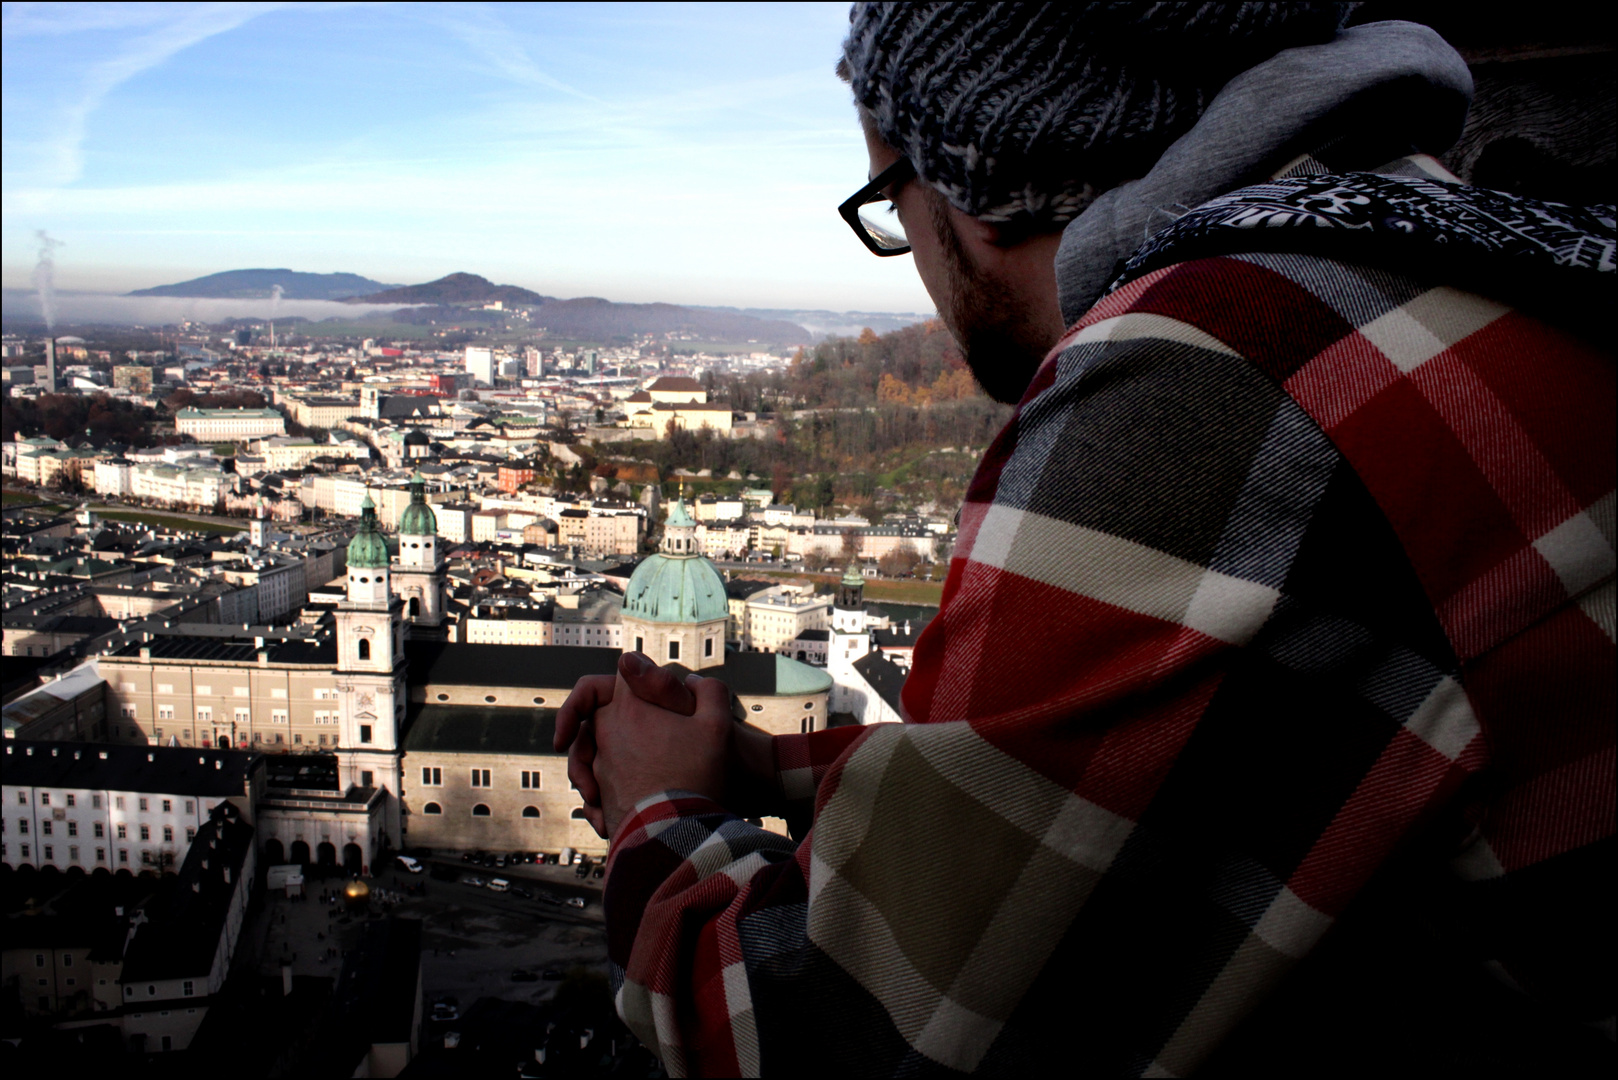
pixel 773 621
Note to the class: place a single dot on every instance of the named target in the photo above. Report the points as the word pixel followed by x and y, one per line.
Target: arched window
pixel 530 811
pixel 432 808
pixel 365 648
pixel 415 606
pixel 480 810
pixel 578 814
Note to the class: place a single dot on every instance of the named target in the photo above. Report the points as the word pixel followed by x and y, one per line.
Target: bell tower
pixel 419 572
pixel 371 671
pixel 850 641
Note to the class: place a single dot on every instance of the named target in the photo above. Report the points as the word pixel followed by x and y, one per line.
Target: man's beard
pixel 995 327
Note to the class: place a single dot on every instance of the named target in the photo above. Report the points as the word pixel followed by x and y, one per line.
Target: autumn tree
pixel 900 562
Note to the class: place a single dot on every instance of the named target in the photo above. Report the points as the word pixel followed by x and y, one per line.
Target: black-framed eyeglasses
pixel 872 215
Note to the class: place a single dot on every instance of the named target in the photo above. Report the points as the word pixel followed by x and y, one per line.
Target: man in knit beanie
pixel 1016 117
pixel 1267 723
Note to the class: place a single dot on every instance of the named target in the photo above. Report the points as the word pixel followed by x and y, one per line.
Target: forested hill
pixel 260 284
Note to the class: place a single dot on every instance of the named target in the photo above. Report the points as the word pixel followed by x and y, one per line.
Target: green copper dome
pixel 418 518
pixel 368 550
pixel 678 585
pixel 672 589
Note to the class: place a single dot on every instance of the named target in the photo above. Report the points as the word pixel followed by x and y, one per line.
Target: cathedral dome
pixel 368 550
pixel 418 518
pixel 677 585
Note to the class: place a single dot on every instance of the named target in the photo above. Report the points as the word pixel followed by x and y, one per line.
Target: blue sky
pixel 688 152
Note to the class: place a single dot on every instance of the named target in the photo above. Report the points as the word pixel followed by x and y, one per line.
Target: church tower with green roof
pixel 850 642
pixel 370 673
pixel 420 570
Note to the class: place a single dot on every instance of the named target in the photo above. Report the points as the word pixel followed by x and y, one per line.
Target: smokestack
pixel 50 365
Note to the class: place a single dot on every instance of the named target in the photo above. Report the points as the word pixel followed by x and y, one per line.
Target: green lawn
pixel 929 593
pixel 10 497
pixel 165 521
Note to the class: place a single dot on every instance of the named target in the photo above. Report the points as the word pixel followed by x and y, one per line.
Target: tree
pixel 900 562
pixel 817 558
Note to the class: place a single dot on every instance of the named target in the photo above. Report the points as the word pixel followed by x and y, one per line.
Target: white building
pixel 480 364
pixel 233 425
pixel 120 807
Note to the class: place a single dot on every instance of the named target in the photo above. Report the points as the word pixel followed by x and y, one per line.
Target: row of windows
pixel 482 810
pixel 205 715
pixel 433 776
pixel 674 647
pixel 47 852
pixel 100 830
pixel 142 801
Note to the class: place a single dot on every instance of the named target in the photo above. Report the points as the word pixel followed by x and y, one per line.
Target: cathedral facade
pixel 384 736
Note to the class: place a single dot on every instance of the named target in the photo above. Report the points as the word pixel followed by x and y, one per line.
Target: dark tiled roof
pixel 181 935
pixel 478 729
pixel 317 653
pixel 163 770
pixel 885 677
pixel 440 663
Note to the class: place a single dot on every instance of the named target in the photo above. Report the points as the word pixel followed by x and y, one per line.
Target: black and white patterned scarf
pixel 1547 256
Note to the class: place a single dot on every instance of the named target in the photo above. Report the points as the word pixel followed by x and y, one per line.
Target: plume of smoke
pixel 275 306
pixel 45 278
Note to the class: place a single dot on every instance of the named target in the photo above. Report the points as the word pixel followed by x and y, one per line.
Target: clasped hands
pixel 646 730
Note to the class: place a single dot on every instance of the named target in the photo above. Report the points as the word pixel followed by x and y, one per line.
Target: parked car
pixel 552 975
pixel 518 890
pixel 471 856
pixel 408 865
pixel 523 975
pixel 548 897
pixel 583 870
pixel 446 1010
pixel 574 901
pixel 474 881
pixel 599 872
pixel 499 884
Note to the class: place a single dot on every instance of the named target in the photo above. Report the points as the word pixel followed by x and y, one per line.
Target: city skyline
pixel 163 142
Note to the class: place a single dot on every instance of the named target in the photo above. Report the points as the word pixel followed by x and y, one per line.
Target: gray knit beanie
pixel 1023 113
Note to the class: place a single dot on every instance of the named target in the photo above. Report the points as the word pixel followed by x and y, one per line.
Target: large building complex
pixel 375 733
pixel 219 425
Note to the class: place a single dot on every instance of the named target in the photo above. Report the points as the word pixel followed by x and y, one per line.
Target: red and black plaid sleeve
pixel 1278 559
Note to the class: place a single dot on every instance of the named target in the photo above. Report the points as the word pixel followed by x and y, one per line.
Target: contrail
pixel 45 278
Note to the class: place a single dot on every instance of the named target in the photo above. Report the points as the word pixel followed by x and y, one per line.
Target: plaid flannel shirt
pixel 1279 556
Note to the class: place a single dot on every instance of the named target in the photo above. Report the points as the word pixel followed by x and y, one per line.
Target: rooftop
pixel 159 770
pixel 181 935
pixel 441 663
pixel 478 729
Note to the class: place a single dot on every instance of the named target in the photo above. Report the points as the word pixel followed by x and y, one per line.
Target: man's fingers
pixel 589 694
pixel 708 694
pixel 655 685
pixel 597 820
pixel 581 769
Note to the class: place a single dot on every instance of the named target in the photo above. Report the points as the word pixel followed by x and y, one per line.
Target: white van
pixel 499 884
